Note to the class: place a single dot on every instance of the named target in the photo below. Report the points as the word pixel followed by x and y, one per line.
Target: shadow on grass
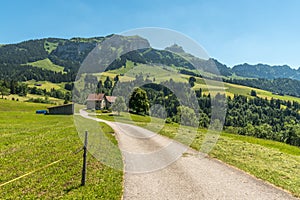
pixel 73 187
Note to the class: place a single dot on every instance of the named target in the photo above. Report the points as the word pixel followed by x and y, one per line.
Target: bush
pixel 169 120
pixel 39 100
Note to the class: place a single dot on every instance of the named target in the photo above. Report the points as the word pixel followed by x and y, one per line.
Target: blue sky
pixel 234 32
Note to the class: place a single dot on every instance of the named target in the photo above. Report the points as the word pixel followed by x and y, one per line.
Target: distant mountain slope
pixel 282 86
pixel 65 53
pixel 24 52
pixel 151 56
pixel 172 56
pixel 58 60
pixel 266 71
pixel 70 53
pixel 209 65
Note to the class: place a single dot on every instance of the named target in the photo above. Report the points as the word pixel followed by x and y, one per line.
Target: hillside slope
pixel 58 60
pixel 266 71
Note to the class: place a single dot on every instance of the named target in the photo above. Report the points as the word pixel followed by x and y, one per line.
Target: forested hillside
pixel 70 53
pixel 281 86
pixel 271 119
pixel 266 71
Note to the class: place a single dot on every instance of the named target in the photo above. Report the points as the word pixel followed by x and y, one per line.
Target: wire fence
pixel 72 153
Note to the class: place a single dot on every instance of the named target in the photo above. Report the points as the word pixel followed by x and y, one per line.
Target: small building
pixel 66 109
pixel 99 101
pixel 95 101
pixel 109 100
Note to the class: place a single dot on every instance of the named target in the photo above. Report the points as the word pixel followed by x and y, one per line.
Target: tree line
pixel 22 89
pixel 281 86
pixel 26 72
pixel 272 119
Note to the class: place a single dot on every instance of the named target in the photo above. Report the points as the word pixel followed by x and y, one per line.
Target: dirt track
pixel 191 176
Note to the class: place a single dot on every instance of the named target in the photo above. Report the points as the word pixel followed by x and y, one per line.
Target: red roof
pixel 111 99
pixel 95 97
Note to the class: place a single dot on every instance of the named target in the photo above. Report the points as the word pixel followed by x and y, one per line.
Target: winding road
pixel 159 168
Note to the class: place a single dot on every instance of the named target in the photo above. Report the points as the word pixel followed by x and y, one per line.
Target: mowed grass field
pixel 41 148
pixel 28 96
pixel 275 162
pixel 46 85
pixel 163 73
pixel 47 64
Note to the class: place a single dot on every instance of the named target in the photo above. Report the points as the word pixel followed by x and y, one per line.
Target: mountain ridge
pixel 70 53
pixel 266 71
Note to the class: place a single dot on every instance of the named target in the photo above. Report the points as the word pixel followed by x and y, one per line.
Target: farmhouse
pixel 99 101
pixel 95 101
pixel 66 109
pixel 109 100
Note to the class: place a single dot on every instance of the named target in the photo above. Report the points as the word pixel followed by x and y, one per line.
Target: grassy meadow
pixel 50 46
pixel 41 148
pixel 34 96
pixel 47 64
pixel 163 73
pixel 46 85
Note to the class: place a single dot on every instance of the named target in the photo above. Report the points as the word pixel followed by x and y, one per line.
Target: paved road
pixel 153 170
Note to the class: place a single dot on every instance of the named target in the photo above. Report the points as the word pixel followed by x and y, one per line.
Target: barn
pixel 66 109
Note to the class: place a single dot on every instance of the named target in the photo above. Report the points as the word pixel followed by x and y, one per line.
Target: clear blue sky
pixel 253 31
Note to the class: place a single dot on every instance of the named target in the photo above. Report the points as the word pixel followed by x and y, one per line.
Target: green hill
pixel 164 73
pixel 47 64
pixel 54 55
pixel 266 71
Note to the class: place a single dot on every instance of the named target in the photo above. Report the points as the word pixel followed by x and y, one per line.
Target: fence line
pixel 31 172
pixel 50 164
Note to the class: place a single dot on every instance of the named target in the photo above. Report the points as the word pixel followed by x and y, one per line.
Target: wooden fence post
pixel 83 177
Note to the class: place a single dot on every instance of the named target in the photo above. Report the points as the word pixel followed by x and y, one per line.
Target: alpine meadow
pixel 91 111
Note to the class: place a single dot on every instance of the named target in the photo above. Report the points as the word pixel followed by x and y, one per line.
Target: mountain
pixel 70 53
pixel 26 60
pixel 175 48
pixel 151 56
pixel 266 71
pixel 244 70
pixel 209 65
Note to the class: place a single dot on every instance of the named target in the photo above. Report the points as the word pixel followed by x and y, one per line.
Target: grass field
pixel 232 89
pixel 161 74
pixel 46 85
pixel 50 46
pixel 244 90
pixel 275 162
pixel 47 64
pixel 28 96
pixel 31 143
